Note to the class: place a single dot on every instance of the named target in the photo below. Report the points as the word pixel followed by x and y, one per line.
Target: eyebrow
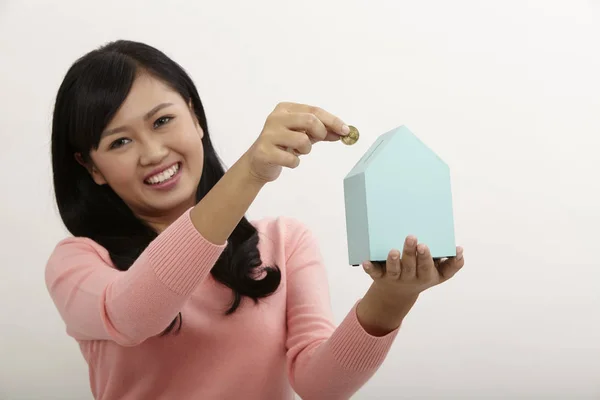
pixel 146 117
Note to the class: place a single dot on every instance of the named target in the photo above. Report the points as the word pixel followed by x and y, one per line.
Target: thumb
pixel 332 136
pixel 373 270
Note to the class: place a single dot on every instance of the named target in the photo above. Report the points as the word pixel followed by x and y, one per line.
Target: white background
pixel 506 92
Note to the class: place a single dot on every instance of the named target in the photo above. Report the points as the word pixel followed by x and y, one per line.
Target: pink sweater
pixel 286 343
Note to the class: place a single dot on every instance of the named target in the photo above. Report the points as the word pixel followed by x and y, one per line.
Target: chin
pixel 166 206
pixel 164 202
pixel 183 198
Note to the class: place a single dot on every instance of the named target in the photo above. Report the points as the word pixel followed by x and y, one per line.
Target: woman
pixel 169 290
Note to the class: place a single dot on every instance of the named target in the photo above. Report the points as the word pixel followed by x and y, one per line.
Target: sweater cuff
pixel 357 350
pixel 181 257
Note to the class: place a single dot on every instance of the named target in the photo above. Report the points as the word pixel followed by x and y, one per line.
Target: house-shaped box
pixel 399 187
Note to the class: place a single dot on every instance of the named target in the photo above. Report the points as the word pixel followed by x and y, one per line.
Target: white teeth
pixel 163 176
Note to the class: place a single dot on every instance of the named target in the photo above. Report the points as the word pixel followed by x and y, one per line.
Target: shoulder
pixel 78 245
pixel 285 235
pixel 281 228
pixel 73 251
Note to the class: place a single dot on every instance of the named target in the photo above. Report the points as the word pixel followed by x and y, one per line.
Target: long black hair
pixel 92 91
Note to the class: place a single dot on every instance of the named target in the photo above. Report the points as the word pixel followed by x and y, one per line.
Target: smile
pixel 163 176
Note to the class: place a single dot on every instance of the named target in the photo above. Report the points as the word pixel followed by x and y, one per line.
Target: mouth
pixel 164 176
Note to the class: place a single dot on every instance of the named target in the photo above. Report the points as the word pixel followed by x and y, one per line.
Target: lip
pixel 168 185
pixel 160 169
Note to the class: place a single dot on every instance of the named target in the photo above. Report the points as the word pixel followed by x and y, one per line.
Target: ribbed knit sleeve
pixel 324 361
pixel 354 348
pixel 97 301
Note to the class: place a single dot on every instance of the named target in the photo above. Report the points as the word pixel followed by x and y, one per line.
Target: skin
pixel 397 284
pixel 134 144
pixel 154 128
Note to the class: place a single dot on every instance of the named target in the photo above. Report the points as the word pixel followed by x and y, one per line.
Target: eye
pixel 118 143
pixel 162 121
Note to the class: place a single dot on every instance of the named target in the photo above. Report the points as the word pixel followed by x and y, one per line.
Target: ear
pixel 91 168
pixel 193 113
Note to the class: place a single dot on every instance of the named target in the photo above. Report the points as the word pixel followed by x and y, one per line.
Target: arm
pixel 379 313
pixel 325 362
pixel 96 301
pixel 222 208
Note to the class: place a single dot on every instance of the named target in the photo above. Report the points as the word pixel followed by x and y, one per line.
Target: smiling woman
pixel 124 114
pixel 160 283
pixel 150 154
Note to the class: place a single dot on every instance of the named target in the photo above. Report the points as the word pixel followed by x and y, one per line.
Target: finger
pixel 425 267
pixel 333 123
pixel 373 270
pixel 285 158
pixel 409 258
pixel 308 123
pixel 449 267
pixel 392 266
pixel 294 141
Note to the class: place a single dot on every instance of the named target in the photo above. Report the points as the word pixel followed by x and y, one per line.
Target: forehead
pixel 146 93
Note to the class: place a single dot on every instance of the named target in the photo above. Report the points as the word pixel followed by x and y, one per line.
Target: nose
pixel 153 152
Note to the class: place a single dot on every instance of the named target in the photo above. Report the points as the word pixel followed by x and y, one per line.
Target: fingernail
pixel 366 266
pixel 345 129
pixel 421 249
pixel 410 241
pixel 395 255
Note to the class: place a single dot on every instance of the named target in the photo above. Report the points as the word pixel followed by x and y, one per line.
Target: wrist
pixel 244 171
pixel 392 298
pixel 244 176
pixel 381 312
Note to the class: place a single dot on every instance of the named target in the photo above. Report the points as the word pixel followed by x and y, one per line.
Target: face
pixel 151 153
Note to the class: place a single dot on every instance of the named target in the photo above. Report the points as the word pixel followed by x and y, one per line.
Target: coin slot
pixel 373 152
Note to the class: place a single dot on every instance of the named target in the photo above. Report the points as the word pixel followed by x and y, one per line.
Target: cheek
pixel 194 135
pixel 120 173
pixel 190 147
pixel 194 158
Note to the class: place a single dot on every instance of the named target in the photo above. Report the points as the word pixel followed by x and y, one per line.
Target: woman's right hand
pixel 290 131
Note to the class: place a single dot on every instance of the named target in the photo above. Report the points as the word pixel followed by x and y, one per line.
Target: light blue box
pixel 399 187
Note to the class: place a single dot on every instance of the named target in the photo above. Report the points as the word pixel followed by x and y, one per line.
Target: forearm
pixel 342 363
pixel 219 212
pixel 379 313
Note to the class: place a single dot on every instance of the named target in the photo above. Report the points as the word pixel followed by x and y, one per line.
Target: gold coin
pixel 351 137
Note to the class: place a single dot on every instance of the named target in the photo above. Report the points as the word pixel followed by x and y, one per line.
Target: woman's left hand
pixel 398 282
pixel 414 270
